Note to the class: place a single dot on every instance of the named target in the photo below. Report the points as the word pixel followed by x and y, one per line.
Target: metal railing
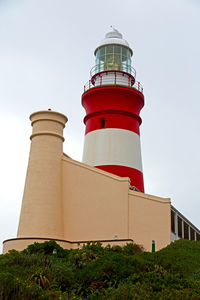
pixel 114 81
pixel 113 67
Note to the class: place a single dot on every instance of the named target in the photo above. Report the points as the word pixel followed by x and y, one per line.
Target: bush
pixel 46 248
pixel 96 272
pixel 131 249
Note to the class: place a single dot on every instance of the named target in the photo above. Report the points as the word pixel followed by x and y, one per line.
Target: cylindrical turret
pixel 41 212
pixel 113 99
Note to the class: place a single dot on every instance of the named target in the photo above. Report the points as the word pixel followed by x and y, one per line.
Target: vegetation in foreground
pixel 94 272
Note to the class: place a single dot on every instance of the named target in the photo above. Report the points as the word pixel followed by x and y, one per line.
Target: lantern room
pixel 113 63
pixel 113 53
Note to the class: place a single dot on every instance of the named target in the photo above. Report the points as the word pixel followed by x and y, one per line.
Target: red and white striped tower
pixel 112 100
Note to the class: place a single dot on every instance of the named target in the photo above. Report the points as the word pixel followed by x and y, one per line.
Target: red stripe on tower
pixel 113 100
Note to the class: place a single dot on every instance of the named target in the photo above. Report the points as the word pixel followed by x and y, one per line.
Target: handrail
pixel 111 67
pixel 115 81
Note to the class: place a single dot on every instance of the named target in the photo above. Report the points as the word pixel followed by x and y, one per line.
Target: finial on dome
pixel 114 29
pixel 114 34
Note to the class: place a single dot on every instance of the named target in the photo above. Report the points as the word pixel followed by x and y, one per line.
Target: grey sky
pixel 46 53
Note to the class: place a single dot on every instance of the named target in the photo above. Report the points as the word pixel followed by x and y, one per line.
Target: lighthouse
pixel 113 100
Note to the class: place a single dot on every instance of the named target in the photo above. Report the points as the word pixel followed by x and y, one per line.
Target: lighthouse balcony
pixel 113 78
pixel 111 73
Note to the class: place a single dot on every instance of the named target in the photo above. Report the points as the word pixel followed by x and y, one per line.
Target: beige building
pixel 71 202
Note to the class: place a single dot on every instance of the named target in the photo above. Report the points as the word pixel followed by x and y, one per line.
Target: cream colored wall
pixel 95 203
pixel 99 205
pixel 21 244
pixel 68 200
pixel 149 219
pixel 41 211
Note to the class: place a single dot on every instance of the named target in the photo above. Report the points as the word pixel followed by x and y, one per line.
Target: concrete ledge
pixel 20 244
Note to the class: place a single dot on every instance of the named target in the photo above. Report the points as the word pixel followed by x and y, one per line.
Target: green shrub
pixel 63 275
pixel 96 272
pixel 12 287
pixel 41 279
pixel 46 248
pixel 131 249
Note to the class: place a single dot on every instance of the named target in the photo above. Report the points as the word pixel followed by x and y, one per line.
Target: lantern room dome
pixel 114 38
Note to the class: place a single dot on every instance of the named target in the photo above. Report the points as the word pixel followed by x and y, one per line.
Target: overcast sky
pixel 46 53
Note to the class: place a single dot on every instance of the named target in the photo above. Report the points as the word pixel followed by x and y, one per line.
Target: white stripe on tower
pixel 112 146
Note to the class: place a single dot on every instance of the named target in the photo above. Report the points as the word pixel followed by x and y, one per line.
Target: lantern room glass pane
pixel 113 57
pixel 113 62
pixel 109 61
pixel 125 51
pixel 97 54
pixel 117 49
pixel 102 59
pixel 109 49
pixel 102 51
pixel 124 59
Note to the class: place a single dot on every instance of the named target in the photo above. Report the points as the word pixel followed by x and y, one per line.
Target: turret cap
pixel 113 38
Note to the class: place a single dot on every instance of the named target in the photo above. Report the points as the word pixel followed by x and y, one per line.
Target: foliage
pixel 96 272
pixel 41 279
pixel 46 248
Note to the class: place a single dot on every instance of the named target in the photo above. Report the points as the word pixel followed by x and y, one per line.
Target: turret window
pixel 102 122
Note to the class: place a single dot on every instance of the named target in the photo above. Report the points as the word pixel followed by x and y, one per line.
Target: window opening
pixel 186 231
pixel 198 236
pixel 192 234
pixel 102 122
pixel 180 233
pixel 172 221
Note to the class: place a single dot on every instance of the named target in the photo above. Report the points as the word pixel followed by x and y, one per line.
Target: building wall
pixel 95 203
pixel 70 201
pixel 100 205
pixel 149 219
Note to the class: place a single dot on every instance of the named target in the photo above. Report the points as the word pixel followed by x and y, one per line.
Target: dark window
pixel 198 236
pixel 192 234
pixel 172 221
pixel 186 231
pixel 180 233
pixel 102 122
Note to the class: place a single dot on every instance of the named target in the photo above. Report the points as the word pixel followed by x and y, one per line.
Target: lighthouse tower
pixel 113 100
